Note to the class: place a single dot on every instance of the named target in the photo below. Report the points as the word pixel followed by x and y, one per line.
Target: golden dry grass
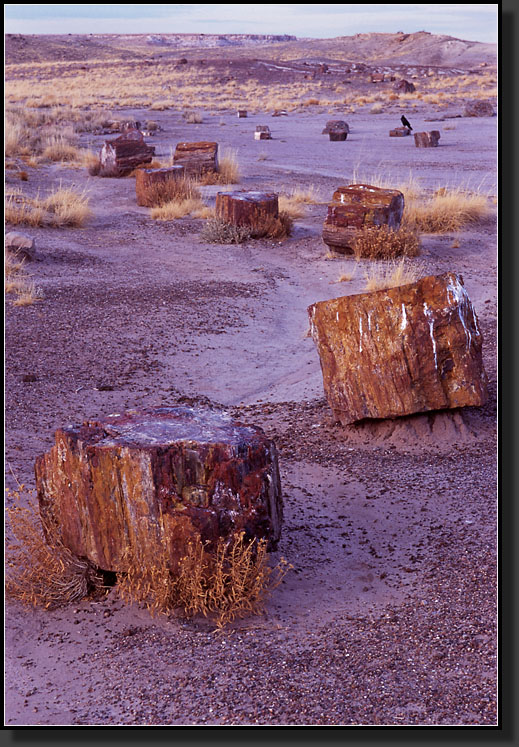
pixel 174 190
pixel 392 274
pixel 40 570
pixel 19 282
pixel 230 581
pixel 179 208
pixel 62 207
pixel 382 242
pixel 448 210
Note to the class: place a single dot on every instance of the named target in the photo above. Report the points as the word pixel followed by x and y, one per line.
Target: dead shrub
pixel 270 227
pixel 172 190
pixel 217 231
pixel 448 210
pixel 229 581
pixel 62 207
pixel 40 570
pixel 392 274
pixel 382 242
pixel 228 171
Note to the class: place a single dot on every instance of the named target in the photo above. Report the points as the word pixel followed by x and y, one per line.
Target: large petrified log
pixel 120 156
pixel 403 86
pixel 337 134
pixel 357 206
pixel 148 183
pixel 405 350
pixel 151 479
pixel 478 109
pixel 427 139
pixel 246 208
pixel 399 132
pixel 335 124
pixel 197 158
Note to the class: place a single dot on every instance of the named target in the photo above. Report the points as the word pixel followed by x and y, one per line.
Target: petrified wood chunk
pixel 145 179
pixel 335 124
pixel 478 109
pixel 242 113
pixel 197 158
pixel 246 208
pixel 263 128
pixel 399 132
pixel 155 478
pixel 377 77
pixel 426 139
pixel 120 156
pixel 262 135
pixel 337 134
pixel 405 350
pixel 404 86
pixel 358 205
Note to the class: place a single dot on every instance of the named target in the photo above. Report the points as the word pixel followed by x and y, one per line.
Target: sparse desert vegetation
pixel 155 305
pixel 62 207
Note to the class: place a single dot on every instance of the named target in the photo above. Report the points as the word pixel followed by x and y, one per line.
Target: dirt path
pixel 389 614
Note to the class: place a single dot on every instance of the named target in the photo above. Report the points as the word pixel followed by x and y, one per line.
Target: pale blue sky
pixel 476 22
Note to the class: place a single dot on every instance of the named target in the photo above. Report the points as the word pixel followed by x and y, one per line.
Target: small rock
pixel 20 244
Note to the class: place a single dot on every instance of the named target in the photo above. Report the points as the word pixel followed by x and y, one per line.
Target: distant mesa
pixel 216 40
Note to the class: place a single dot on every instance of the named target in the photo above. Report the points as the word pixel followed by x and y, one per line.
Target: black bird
pixel 405 122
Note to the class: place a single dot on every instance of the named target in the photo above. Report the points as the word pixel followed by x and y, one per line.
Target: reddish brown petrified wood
pixel 149 479
pixel 400 351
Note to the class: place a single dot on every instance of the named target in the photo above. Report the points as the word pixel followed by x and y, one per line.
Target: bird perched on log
pixel 405 122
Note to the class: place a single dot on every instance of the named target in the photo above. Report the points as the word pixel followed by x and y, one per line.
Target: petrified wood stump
pixel 478 109
pixel 334 124
pixel 426 139
pixel 404 86
pixel 246 208
pixel 155 478
pixel 337 134
pixel 120 156
pixel 405 350
pixel 145 179
pixel 399 132
pixel 358 205
pixel 197 158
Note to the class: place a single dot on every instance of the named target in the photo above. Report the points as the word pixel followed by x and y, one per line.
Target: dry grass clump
pixel 293 202
pixel 172 190
pixel 231 580
pixel 179 209
pixel 217 231
pixel 392 274
pixel 228 171
pixel 228 582
pixel 449 209
pixel 192 117
pixel 382 242
pixel 62 207
pixel 17 281
pixel 40 570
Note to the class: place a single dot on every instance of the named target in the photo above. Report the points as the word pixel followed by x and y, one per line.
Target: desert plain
pixel 389 614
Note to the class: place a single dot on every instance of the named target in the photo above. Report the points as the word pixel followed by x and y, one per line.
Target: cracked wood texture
pixel 153 478
pixel 357 206
pixel 197 158
pixel 120 156
pixel 427 139
pixel 400 351
pixel 246 208
pixel 152 179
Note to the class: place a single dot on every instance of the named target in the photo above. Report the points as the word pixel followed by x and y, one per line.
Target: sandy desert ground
pixel 389 614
